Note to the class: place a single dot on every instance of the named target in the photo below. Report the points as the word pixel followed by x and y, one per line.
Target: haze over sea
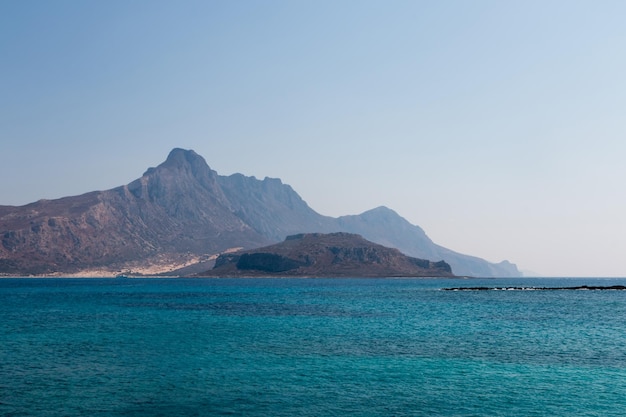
pixel 310 347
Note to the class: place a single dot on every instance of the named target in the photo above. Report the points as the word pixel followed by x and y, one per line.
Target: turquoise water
pixel 310 347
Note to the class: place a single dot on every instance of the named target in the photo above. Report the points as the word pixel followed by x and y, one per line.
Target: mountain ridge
pixel 181 212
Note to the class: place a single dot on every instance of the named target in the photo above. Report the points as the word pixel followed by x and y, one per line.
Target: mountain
pixel 172 212
pixel 182 214
pixel 326 255
pixel 272 208
pixel 385 226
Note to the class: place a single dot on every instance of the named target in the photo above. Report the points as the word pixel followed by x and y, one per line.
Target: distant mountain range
pixel 326 255
pixel 179 216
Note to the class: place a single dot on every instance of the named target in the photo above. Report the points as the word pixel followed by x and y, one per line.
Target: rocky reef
pixel 579 288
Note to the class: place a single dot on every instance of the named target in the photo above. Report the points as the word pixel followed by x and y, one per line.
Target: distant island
pixel 325 255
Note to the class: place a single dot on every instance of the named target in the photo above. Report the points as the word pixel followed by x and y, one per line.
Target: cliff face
pixel 272 208
pixel 183 212
pixel 326 255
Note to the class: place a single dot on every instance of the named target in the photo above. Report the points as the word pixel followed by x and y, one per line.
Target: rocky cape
pixel 178 217
pixel 325 255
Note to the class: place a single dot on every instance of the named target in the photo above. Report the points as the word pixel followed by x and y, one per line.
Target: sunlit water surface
pixel 310 347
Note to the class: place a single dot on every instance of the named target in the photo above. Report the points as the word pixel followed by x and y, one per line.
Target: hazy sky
pixel 497 126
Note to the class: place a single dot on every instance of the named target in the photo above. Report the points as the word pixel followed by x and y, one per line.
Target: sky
pixel 496 126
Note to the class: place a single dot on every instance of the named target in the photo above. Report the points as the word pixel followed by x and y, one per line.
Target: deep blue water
pixel 310 347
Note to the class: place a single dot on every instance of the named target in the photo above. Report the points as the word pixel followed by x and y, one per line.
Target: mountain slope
pixel 385 226
pixel 173 210
pixel 181 213
pixel 272 208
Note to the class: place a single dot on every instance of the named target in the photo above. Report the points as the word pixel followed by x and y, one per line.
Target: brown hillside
pixel 326 255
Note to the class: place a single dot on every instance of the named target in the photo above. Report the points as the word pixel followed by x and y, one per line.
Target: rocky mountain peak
pixel 183 176
pixel 380 212
pixel 179 157
pixel 187 161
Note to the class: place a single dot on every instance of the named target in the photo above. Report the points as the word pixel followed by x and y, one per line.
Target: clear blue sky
pixel 497 126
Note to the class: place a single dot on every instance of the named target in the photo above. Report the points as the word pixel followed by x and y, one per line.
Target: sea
pixel 310 347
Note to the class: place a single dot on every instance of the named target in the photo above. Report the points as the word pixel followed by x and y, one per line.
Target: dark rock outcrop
pixel 326 255
pixel 575 288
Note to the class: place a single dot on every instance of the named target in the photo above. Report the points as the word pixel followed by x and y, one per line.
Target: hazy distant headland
pixel 180 216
